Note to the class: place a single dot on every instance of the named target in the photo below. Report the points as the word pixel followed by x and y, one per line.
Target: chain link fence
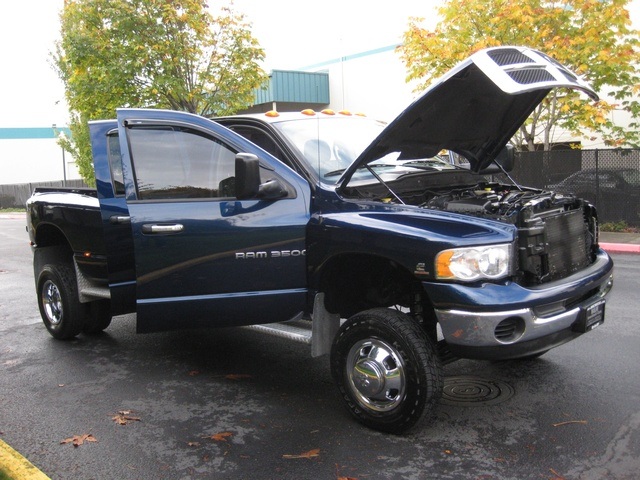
pixel 610 179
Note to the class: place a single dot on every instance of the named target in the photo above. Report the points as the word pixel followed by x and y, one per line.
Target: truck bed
pixel 76 212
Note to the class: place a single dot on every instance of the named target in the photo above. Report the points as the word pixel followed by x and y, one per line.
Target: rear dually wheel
pixel 60 308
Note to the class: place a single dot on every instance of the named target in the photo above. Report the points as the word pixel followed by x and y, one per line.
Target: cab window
pixel 180 163
pixel 115 163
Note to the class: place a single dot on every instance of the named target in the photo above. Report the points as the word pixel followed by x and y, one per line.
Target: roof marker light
pixel 345 112
pixel 272 114
pixel 328 111
pixel 308 111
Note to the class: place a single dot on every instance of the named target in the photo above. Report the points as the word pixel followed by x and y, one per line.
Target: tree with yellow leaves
pixel 152 53
pixel 593 37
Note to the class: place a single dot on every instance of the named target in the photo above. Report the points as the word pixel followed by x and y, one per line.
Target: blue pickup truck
pixel 393 248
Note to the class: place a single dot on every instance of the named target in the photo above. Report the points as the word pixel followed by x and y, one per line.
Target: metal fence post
pixel 597 179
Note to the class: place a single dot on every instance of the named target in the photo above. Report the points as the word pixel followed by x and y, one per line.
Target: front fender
pixel 404 235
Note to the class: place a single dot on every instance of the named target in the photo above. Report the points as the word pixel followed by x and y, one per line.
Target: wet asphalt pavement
pixel 234 404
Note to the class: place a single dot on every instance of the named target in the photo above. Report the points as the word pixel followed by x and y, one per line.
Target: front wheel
pixel 386 369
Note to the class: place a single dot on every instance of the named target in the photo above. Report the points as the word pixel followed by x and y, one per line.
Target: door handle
pixel 151 228
pixel 119 219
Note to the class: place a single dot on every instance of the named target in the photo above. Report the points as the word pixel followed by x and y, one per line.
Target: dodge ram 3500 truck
pixel 361 239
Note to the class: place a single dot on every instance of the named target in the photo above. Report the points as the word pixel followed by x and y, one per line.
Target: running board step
pixel 297 331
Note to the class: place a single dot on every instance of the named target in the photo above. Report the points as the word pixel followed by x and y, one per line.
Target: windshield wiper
pixel 333 173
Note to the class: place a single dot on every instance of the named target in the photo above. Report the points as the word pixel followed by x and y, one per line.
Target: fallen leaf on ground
pixel 310 454
pixel 219 437
pixel 236 376
pixel 193 444
pixel 123 417
pixel 582 422
pixel 78 440
pixel 557 475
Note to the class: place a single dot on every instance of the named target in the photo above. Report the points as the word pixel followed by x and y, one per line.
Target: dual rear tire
pixel 58 301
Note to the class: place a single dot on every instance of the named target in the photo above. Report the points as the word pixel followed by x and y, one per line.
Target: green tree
pixel 593 37
pixel 152 53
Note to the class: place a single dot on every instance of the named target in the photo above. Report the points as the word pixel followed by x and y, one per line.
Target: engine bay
pixel 463 192
pixel 556 233
pixel 499 201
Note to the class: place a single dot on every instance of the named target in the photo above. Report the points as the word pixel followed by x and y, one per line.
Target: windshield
pixel 330 144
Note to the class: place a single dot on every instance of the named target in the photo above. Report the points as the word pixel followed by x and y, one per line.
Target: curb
pixel 620 247
pixel 16 467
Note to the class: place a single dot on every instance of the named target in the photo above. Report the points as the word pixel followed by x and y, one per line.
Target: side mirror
pixel 506 159
pixel 247 180
pixel 247 176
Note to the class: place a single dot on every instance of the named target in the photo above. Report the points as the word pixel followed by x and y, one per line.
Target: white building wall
pixel 373 84
pixel 34 160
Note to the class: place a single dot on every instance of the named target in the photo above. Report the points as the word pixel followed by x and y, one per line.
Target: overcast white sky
pixel 294 33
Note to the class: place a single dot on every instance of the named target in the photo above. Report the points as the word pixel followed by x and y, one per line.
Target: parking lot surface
pixel 234 404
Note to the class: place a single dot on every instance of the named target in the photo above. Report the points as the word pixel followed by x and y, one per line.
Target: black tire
pixel 98 317
pixel 60 309
pixel 387 370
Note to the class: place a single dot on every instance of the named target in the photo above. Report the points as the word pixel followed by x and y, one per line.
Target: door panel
pixel 204 258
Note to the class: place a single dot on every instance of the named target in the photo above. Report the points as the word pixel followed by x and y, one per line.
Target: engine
pixel 503 202
pixel 556 233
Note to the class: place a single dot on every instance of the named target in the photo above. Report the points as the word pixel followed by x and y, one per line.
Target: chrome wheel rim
pixel 52 302
pixel 376 375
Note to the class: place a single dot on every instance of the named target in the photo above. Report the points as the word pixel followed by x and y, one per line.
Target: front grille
pixel 560 248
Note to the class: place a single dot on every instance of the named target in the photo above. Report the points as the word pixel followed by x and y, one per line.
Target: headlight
pixel 474 263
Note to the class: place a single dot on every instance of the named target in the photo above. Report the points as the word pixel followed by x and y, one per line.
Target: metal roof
pixel 32 133
pixel 293 86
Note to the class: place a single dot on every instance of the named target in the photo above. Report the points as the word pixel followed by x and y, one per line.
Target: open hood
pixel 474 109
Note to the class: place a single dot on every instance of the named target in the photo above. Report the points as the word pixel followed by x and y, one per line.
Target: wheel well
pixel 48 235
pixel 353 283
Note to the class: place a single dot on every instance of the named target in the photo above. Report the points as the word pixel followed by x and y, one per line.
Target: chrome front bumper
pixel 508 327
